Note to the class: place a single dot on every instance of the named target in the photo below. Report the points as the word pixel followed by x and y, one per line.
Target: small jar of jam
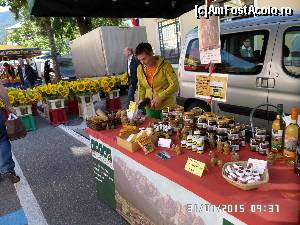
pixel 231 121
pixel 253 145
pixel 233 134
pixel 234 145
pixel 211 124
pixel 188 118
pixel 202 122
pixel 222 127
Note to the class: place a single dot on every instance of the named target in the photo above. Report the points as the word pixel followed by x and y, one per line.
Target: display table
pixel 145 189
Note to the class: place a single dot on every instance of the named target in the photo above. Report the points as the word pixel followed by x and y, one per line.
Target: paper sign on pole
pixel 195 167
pixel 209 40
pixel 211 87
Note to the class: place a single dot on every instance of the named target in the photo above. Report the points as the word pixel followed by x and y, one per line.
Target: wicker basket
pixel 265 177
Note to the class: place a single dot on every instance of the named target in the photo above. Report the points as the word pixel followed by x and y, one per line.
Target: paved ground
pixel 58 170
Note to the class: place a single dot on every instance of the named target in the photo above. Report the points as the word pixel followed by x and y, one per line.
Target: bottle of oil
pixel 278 127
pixel 291 138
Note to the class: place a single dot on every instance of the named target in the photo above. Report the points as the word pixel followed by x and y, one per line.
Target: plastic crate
pixel 113 104
pixel 28 122
pixel 73 107
pixel 86 110
pixel 34 110
pixel 58 116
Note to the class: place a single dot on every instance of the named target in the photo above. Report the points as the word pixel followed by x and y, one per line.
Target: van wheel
pixel 205 107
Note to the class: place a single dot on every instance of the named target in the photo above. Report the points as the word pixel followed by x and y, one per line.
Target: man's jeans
pixel 6 162
pixel 131 92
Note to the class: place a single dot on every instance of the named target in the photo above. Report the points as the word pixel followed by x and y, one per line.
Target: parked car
pixel 66 67
pixel 271 75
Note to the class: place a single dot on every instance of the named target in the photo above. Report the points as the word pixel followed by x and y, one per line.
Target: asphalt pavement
pixel 58 186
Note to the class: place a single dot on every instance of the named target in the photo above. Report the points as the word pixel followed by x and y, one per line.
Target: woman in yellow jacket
pixel 156 78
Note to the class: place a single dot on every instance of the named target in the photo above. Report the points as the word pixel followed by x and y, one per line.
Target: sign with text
pixel 195 167
pixel 103 171
pixel 211 87
pixel 209 40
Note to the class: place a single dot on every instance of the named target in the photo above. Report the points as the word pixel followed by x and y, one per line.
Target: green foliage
pixel 33 32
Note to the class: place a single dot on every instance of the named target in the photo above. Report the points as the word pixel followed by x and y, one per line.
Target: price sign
pixel 195 167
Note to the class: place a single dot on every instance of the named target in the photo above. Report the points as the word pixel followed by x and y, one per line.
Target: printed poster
pixel 209 40
pixel 211 87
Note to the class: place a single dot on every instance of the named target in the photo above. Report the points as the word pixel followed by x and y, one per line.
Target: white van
pixel 270 73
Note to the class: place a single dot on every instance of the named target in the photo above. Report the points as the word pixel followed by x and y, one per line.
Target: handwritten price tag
pixel 195 167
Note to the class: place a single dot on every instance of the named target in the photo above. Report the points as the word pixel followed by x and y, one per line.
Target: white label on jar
pixel 233 136
pixel 235 147
pixel 222 130
pixel 202 125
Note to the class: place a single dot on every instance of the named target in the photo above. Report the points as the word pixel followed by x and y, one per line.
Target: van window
pixel 241 53
pixel 291 52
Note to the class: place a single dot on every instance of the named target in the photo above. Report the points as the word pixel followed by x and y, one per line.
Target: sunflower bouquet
pixel 17 97
pixel 54 91
pixel 83 87
pixel 108 83
pixel 124 78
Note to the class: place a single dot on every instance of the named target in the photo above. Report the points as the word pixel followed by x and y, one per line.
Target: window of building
pixel 241 53
pixel 169 40
pixel 291 52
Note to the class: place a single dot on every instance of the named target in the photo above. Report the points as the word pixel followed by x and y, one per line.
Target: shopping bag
pixel 15 128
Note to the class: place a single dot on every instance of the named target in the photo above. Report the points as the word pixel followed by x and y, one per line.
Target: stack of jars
pixel 259 143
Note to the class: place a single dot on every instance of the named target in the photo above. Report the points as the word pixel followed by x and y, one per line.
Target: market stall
pixel 8 74
pixel 149 189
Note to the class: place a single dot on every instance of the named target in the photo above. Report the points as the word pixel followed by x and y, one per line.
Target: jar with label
pixel 183 143
pixel 202 122
pixel 222 127
pixel 234 145
pixel 231 121
pixel 211 124
pixel 233 134
pixel 253 145
pixel 188 118
pixel 197 133
pixel 260 135
pixel 209 114
pixel 194 145
pixel 263 148
pixel 200 146
pixel 189 144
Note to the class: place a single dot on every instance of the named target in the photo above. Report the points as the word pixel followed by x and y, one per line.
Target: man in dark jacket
pixel 132 64
pixel 27 74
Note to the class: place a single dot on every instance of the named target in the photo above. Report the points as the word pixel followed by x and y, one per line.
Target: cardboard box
pixel 133 147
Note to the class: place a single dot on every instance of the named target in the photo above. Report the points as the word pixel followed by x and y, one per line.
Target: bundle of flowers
pixel 124 78
pixel 108 83
pixel 54 91
pixel 84 87
pixel 18 97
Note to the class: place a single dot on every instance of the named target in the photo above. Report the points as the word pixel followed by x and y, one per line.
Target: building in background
pixel 166 36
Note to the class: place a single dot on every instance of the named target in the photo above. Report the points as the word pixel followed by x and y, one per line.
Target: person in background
pixel 157 79
pixel 132 64
pixel 27 74
pixel 7 165
pixel 246 49
pixel 47 70
pixel 9 70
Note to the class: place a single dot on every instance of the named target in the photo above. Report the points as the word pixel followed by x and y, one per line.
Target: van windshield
pixel 241 53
